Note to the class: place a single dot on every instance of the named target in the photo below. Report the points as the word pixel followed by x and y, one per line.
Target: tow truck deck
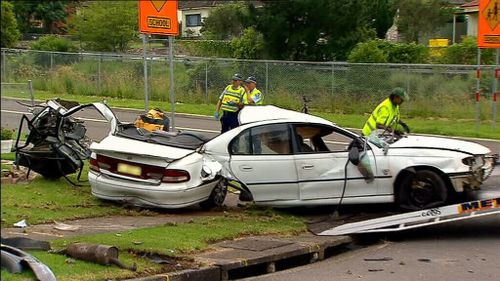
pixel 399 222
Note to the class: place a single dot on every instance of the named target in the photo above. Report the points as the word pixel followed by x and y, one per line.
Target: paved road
pixel 459 251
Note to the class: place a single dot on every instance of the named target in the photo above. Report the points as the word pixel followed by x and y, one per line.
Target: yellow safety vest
pixel 229 95
pixel 256 96
pixel 386 113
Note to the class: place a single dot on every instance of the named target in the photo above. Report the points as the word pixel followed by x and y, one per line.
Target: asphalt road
pixel 466 250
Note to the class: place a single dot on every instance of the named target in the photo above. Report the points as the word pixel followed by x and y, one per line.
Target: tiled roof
pixel 474 3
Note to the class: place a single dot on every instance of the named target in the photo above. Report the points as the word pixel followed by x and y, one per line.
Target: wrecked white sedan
pixel 282 158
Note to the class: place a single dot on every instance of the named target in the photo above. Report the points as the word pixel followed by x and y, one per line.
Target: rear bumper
pixel 145 195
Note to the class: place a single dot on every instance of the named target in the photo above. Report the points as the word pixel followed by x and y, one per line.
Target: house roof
pixel 186 5
pixel 471 4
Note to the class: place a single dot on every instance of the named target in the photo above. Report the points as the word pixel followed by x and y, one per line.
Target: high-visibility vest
pixel 386 113
pixel 256 95
pixel 230 95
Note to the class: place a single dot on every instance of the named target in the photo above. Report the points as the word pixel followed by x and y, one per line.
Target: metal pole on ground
pixel 206 83
pixel 333 78
pixel 99 74
pixel 172 94
pixel 144 46
pixel 454 28
pixel 495 90
pixel 267 79
pixel 30 89
pixel 51 61
pixel 478 90
pixel 4 68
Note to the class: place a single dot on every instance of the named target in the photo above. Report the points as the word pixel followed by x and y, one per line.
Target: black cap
pixel 251 79
pixel 237 77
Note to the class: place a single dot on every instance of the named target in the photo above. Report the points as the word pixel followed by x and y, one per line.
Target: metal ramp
pixel 456 212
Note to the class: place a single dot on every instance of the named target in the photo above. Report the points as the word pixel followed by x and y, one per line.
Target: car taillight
pixel 175 176
pixel 94 165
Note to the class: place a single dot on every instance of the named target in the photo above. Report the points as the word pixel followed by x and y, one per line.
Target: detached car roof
pixel 251 114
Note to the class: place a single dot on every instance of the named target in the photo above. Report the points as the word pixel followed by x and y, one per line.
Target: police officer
pixel 386 115
pixel 230 102
pixel 253 96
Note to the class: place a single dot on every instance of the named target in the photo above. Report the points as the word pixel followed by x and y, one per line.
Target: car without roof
pixel 282 158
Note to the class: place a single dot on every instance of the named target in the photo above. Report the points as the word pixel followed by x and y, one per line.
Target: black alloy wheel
pixel 422 190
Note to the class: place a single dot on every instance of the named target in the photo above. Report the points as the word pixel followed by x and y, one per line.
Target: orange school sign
pixel 489 24
pixel 158 17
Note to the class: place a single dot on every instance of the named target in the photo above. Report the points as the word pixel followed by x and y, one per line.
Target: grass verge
pixel 45 200
pixel 446 127
pixel 175 242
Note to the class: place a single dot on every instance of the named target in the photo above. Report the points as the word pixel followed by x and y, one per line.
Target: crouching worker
pixel 154 119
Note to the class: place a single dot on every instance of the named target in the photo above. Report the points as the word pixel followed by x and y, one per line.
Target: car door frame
pixel 274 178
pixel 319 181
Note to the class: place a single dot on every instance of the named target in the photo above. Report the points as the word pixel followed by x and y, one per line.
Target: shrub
pixel 53 43
pixel 367 52
pixel 380 51
pixel 6 134
pixel 466 53
pixel 10 33
pixel 248 46
pixel 206 48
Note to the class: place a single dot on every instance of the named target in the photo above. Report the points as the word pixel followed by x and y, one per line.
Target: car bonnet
pixel 441 143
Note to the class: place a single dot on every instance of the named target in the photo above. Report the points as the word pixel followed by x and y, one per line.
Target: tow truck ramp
pixel 456 212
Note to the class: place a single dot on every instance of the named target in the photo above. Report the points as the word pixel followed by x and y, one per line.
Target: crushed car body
pixel 56 144
pixel 282 158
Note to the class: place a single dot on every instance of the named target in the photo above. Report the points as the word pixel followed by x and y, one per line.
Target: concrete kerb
pixel 231 259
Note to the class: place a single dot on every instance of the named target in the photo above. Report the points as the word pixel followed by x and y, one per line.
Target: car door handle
pixel 307 166
pixel 245 168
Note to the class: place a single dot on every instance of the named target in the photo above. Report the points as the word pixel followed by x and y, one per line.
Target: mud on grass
pixel 175 243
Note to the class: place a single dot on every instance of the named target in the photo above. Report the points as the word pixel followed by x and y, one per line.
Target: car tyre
pixel 217 196
pixel 422 190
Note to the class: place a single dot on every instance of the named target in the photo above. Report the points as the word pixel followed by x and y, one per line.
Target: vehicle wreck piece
pixel 56 145
pixel 14 259
pixel 101 254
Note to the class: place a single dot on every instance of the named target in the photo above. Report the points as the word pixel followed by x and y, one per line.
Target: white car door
pixel 261 157
pixel 321 157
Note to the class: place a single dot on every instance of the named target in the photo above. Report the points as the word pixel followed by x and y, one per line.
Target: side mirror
pixel 355 147
pixel 354 155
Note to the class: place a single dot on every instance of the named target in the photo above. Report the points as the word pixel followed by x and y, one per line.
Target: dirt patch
pixel 16 174
pixel 117 224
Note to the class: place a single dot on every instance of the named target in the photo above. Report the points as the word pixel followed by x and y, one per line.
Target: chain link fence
pixel 437 91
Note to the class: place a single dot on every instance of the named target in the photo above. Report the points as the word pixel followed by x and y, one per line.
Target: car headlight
pixel 474 162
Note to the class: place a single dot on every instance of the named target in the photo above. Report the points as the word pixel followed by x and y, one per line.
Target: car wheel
pixel 422 190
pixel 217 196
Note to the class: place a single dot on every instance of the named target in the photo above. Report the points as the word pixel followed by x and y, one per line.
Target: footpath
pixel 227 260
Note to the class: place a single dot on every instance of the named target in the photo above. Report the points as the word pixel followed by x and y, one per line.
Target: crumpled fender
pixel 42 272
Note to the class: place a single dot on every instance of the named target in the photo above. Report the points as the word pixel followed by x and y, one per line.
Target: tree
pixel 383 16
pixel 106 25
pixel 249 46
pixel 50 12
pixel 10 33
pixel 314 29
pixel 417 17
pixel 225 22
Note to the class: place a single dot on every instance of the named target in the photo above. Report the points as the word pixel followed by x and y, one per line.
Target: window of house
pixel 193 20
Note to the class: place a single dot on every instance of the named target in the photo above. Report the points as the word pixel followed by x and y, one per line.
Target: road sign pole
pixel 4 67
pixel 478 85
pixel 144 46
pixel 495 90
pixel 172 94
